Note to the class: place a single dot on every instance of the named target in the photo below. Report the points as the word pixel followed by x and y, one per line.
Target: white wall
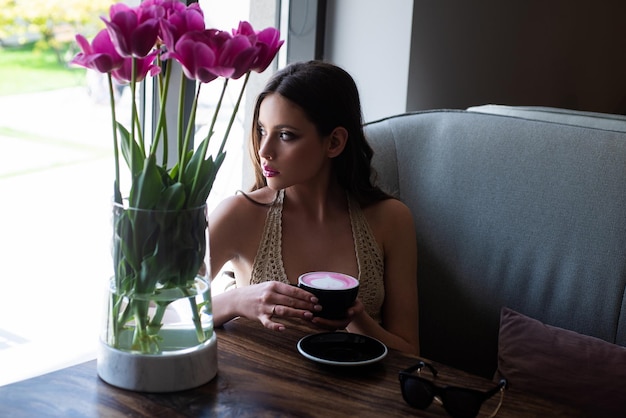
pixel 371 39
pixel 225 14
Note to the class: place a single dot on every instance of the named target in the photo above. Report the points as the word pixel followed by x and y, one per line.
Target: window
pixel 56 184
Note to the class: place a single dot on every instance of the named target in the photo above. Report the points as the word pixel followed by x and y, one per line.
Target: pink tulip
pixel 236 52
pixel 150 3
pixel 179 20
pixel 100 55
pixel 194 51
pixel 266 41
pixel 144 66
pixel 245 28
pixel 134 31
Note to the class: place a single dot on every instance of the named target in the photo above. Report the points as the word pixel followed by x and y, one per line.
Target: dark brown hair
pixel 329 98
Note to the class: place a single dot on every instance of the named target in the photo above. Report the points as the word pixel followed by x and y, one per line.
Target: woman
pixel 313 208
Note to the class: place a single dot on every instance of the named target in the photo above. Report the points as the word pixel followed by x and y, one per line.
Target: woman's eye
pixel 282 135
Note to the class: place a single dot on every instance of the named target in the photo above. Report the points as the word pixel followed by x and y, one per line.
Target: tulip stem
pixel 139 130
pixel 117 195
pixel 181 117
pixel 234 113
pixel 161 126
pixel 205 143
pixel 190 129
pixel 217 111
pixel 133 111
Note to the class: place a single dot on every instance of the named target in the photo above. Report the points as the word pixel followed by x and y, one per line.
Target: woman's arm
pixel 265 302
pixel 394 222
pixel 233 236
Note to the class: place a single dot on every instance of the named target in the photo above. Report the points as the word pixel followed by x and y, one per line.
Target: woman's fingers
pixel 289 299
pixel 282 300
pixel 334 324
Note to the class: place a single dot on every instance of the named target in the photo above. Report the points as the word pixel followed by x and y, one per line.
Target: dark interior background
pixel 562 53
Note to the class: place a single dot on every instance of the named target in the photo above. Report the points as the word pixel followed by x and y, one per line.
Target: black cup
pixel 336 292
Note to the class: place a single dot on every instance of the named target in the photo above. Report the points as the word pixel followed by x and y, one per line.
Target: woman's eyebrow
pixel 279 126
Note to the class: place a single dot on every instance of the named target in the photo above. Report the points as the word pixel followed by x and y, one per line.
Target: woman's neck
pixel 316 203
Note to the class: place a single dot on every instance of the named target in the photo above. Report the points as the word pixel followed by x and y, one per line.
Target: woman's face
pixel 291 150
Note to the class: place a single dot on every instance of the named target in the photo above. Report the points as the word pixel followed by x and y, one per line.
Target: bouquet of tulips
pixel 143 41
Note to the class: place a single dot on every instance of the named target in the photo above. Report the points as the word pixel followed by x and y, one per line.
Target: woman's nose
pixel 265 149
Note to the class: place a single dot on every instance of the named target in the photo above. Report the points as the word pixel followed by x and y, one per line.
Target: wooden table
pixel 260 373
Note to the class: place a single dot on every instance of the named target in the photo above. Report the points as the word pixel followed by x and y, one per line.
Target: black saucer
pixel 342 349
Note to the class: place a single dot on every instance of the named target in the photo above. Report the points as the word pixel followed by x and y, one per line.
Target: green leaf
pixel 192 166
pixel 206 171
pixel 130 149
pixel 172 198
pixel 147 186
pixel 117 196
pixel 174 170
pixel 154 269
pixel 166 179
pixel 206 178
pixel 146 233
pixel 124 256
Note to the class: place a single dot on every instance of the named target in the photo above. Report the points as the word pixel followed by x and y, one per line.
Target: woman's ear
pixel 338 139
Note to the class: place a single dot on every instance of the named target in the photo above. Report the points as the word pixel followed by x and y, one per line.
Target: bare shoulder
pixel 242 214
pixel 389 211
pixel 242 206
pixel 391 221
pixel 236 226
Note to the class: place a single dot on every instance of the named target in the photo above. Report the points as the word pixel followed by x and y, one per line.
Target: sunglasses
pixel 459 402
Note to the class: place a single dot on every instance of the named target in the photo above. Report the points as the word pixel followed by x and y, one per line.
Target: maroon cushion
pixel 575 369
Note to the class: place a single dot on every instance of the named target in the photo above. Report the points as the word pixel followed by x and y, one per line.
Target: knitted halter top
pixel 268 262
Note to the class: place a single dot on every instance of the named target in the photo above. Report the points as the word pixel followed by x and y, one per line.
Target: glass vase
pixel 158 325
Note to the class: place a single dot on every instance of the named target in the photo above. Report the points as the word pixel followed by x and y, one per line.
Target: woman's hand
pixel 270 300
pixel 334 324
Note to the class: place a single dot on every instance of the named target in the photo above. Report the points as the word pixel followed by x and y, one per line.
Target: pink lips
pixel 268 172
